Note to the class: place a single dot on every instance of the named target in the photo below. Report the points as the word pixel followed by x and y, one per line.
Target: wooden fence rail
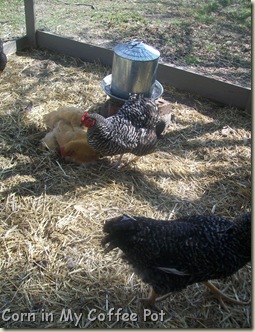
pixel 207 87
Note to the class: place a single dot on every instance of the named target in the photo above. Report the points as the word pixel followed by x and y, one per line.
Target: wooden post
pixel 30 22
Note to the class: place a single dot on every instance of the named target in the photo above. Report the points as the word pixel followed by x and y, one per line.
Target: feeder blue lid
pixel 136 50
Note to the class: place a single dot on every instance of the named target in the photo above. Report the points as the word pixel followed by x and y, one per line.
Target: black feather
pixel 170 255
pixel 132 130
pixel 3 57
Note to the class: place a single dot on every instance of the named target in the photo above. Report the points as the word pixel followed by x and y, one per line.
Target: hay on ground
pixel 52 211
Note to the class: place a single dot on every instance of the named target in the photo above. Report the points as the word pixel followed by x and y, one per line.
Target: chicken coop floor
pixel 52 211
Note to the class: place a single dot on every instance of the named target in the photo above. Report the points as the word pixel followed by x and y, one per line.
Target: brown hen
pixel 67 136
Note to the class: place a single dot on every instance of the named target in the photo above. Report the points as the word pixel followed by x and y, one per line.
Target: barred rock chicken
pixel 131 130
pixel 3 57
pixel 141 112
pixel 170 255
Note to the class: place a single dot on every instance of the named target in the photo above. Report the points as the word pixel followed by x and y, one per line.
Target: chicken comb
pixel 85 115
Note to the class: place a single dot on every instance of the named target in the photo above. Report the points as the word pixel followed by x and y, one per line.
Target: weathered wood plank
pixel 15 45
pixel 30 21
pixel 74 48
pixel 207 87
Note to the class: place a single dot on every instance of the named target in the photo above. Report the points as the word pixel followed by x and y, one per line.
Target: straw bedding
pixel 52 211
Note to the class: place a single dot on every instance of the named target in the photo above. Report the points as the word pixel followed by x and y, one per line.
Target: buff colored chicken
pixel 68 136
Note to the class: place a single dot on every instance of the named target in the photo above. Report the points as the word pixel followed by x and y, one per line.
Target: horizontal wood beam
pixel 16 45
pixel 74 48
pixel 207 87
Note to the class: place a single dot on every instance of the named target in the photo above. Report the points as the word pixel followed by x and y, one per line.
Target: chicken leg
pixel 153 297
pixel 116 164
pixel 221 296
pixel 150 300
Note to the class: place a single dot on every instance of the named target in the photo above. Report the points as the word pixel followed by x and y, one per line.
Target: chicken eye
pixel 90 122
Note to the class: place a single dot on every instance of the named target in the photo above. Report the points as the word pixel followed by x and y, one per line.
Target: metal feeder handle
pixel 135 42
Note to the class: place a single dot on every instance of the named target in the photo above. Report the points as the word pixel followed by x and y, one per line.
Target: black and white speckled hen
pixel 141 112
pixel 3 57
pixel 131 130
pixel 170 255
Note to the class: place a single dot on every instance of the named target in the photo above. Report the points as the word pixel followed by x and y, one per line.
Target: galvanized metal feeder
pixel 134 70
